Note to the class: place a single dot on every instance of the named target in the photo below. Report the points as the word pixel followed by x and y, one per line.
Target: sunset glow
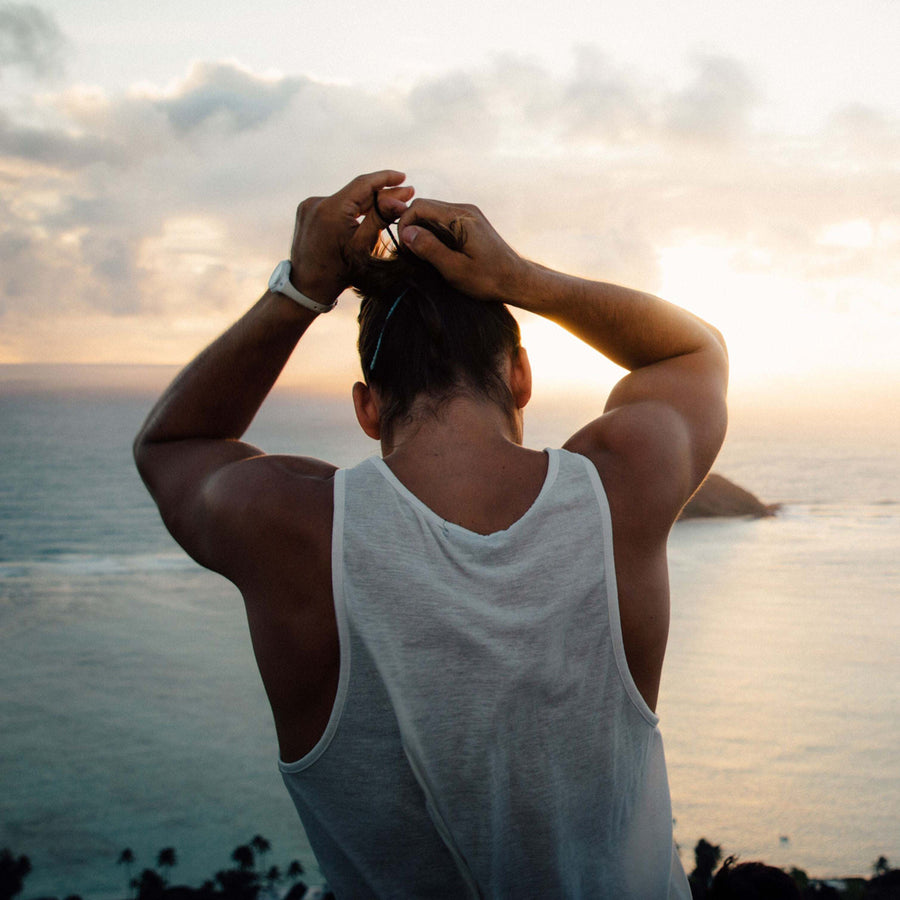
pixel 147 195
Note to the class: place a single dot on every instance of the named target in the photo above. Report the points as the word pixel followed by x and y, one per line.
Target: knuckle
pixel 308 204
pixel 358 181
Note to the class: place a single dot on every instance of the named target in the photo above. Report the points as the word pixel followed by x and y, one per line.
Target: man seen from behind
pixel 461 639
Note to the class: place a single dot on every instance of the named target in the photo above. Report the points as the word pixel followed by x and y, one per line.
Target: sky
pixel 738 159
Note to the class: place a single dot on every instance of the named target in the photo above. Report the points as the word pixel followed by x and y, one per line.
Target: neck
pixel 459 426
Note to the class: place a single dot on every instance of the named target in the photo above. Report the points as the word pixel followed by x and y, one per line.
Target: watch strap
pixel 280 282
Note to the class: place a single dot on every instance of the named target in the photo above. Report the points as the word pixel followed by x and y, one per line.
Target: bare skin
pixel 264 522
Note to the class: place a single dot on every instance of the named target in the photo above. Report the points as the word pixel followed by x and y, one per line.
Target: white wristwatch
pixel 280 282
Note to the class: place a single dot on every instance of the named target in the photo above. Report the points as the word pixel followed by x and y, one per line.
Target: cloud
pixel 228 93
pixel 603 102
pixel 172 204
pixel 860 131
pixel 54 146
pixel 597 103
pixel 30 39
pixel 716 103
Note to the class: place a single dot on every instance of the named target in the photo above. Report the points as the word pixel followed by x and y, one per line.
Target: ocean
pixel 132 715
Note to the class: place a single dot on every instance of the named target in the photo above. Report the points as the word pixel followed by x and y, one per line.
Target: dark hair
pixel 752 881
pixel 420 337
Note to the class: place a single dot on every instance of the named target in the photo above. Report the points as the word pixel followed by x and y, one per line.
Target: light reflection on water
pixel 780 695
pixel 133 714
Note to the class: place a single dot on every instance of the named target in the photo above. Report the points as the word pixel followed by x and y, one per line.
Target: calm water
pixel 132 715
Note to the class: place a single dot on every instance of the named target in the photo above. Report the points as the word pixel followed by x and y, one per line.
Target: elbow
pixel 719 351
pixel 142 448
pixel 139 450
pixel 142 454
pixel 718 339
pixel 141 463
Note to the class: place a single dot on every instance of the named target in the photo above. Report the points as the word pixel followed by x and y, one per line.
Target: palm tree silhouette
pixel 150 885
pixel 13 870
pixel 243 856
pixel 706 857
pixel 241 883
pixel 166 858
pixel 126 858
pixel 273 876
pixel 295 869
pixel 261 846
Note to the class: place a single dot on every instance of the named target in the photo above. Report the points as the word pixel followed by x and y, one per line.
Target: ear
pixel 520 377
pixel 367 412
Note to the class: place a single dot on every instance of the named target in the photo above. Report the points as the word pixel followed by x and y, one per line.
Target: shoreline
pixel 251 877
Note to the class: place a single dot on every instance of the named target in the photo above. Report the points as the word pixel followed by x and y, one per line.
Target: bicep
pixel 660 433
pixel 678 406
pixel 177 474
pixel 217 497
pixel 266 521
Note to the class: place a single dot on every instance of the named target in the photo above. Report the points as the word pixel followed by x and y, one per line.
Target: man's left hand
pixel 331 232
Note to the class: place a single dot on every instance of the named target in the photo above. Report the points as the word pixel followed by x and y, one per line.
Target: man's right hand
pixel 485 268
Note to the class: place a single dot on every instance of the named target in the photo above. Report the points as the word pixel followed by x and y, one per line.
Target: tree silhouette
pixel 262 847
pixel 238 884
pixel 295 869
pixel 126 858
pixel 243 856
pixel 881 866
pixel 13 871
pixel 885 886
pixel 166 858
pixel 706 858
pixel 801 879
pixel 150 885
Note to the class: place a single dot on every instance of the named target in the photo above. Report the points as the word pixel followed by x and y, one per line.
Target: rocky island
pixel 718 497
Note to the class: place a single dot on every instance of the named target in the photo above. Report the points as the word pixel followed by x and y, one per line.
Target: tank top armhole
pixel 340 612
pixel 612 593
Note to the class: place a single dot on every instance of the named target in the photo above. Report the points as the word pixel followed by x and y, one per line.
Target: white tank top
pixel 487 737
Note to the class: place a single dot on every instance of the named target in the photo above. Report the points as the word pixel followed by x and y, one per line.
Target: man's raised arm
pixel 191 436
pixel 664 422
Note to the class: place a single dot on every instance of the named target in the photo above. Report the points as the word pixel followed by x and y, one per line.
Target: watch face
pixel 280 275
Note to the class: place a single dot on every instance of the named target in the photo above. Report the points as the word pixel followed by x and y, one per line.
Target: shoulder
pixel 270 475
pixel 294 487
pixel 270 514
pixel 662 429
pixel 642 455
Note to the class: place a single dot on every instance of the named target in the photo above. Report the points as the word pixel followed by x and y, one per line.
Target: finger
pixel 391 202
pixel 431 211
pixel 387 205
pixel 428 247
pixel 361 189
pixel 366 235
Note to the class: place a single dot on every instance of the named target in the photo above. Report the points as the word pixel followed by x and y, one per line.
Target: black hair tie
pixel 387 222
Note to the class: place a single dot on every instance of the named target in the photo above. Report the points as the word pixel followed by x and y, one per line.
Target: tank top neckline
pixel 446 526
